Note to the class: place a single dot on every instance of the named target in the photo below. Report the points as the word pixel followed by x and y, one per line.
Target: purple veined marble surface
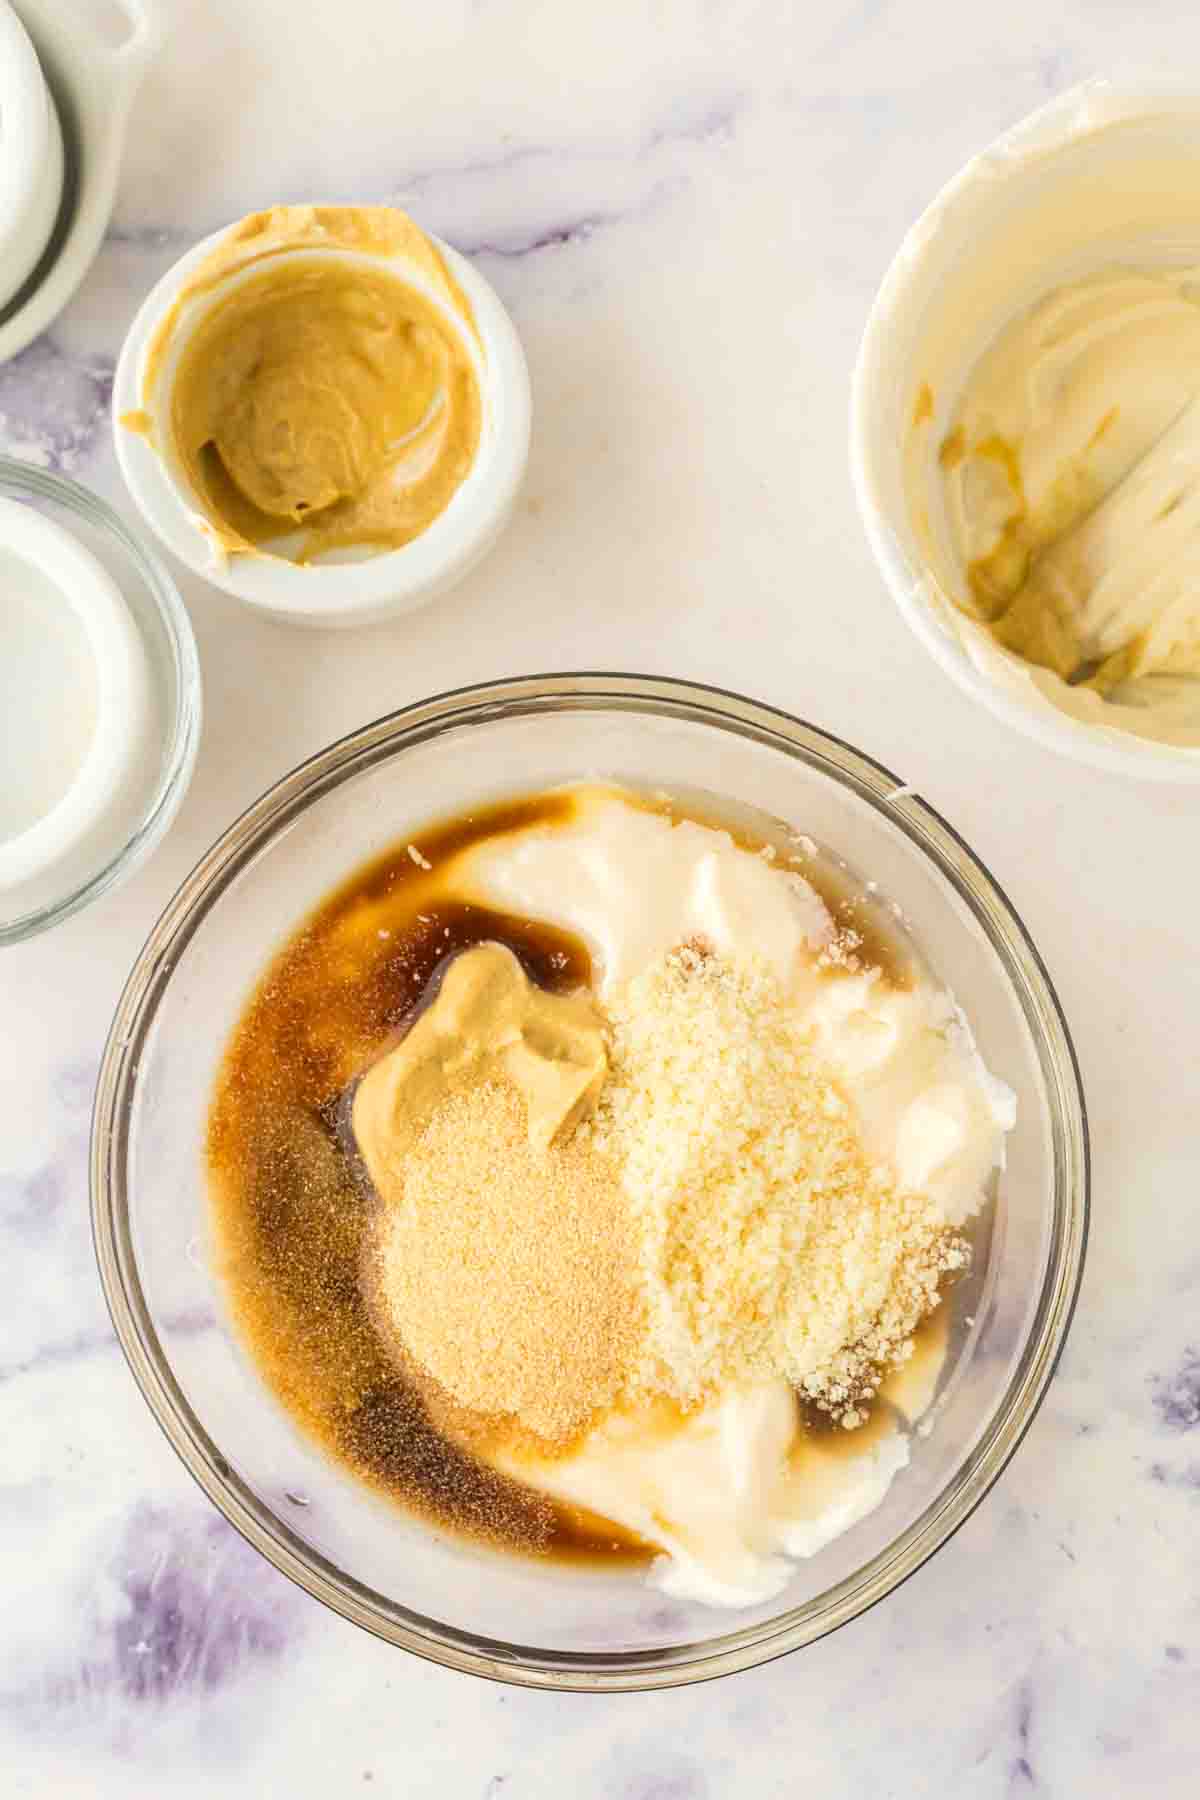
pixel 687 206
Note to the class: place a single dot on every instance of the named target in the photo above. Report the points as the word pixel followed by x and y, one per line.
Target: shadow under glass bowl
pixel 489 1613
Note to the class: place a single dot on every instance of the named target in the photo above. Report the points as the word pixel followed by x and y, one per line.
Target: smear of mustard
pixel 319 401
pixel 489 1022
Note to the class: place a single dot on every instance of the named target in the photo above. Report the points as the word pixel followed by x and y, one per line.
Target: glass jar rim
pixel 22 481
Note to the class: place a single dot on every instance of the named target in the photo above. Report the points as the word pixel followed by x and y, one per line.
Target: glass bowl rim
pixel 24 481
pixel 931 837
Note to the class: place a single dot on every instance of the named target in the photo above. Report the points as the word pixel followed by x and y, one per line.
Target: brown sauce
pixel 291 1208
pixel 916 1376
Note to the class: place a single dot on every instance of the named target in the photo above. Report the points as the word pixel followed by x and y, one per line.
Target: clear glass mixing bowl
pixel 458 1604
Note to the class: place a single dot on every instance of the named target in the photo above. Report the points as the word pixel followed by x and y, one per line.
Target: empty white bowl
pixel 375 586
pixel 93 79
pixel 31 157
pixel 1100 177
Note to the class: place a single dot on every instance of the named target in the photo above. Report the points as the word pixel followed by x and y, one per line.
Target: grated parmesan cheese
pixel 769 1244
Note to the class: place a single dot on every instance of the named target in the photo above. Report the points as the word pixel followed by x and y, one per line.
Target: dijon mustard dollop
pixel 318 402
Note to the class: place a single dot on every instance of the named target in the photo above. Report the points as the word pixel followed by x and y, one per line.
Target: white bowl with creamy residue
pixel 1104 177
pixel 360 587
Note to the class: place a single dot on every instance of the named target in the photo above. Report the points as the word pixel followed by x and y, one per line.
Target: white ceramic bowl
pixel 31 157
pixel 343 593
pixel 94 81
pixel 1103 175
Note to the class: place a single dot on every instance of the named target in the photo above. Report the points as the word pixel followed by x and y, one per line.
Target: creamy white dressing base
pixel 731 1492
pixel 1072 478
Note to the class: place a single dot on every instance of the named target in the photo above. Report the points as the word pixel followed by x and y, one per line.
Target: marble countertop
pixel 687 207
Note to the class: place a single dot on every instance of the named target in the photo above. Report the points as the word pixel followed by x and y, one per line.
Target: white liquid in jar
pixel 77 712
pixel 48 694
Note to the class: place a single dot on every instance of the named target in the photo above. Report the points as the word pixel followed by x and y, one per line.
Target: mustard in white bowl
pixel 325 412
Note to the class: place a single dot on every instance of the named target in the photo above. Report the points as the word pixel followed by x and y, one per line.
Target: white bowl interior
pixel 1094 180
pixel 31 157
pixel 298 1497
